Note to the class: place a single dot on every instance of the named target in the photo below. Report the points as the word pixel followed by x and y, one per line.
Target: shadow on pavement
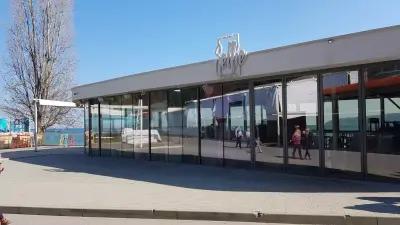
pixel 190 175
pixel 379 205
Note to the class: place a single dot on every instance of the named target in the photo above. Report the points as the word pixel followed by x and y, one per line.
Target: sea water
pixel 58 136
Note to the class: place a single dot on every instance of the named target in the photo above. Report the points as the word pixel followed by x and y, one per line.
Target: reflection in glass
pixel 86 126
pixel 383 119
pixel 175 111
pixel 95 132
pixel 268 118
pixel 159 125
pixel 127 126
pixel 140 131
pixel 302 112
pixel 237 122
pixel 190 125
pixel 115 125
pixel 341 126
pixel 212 123
pixel 105 126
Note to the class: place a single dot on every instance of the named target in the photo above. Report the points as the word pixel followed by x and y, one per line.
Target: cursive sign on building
pixel 230 61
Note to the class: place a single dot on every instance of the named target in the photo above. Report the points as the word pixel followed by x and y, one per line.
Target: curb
pixel 198 215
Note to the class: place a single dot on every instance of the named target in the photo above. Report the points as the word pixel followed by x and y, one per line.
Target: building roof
pixel 346 50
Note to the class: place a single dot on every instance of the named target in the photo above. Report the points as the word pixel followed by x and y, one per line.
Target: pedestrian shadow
pixel 190 175
pixel 379 205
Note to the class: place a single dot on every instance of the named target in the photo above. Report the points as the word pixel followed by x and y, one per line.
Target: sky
pixel 123 37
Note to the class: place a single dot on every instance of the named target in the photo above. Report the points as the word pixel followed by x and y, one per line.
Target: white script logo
pixel 230 62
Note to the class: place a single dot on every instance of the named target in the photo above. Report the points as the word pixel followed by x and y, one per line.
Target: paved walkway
pixel 66 178
pixel 52 220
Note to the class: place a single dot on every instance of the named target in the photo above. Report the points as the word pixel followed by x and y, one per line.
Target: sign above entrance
pixel 230 61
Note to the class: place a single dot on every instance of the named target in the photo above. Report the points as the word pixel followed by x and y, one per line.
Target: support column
pixel 149 125
pixel 99 126
pixel 284 133
pixel 335 123
pixel 382 112
pixel 362 115
pixel 199 124
pixel 252 123
pixel 320 122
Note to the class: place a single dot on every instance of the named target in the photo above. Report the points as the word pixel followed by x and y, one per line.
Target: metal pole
pixel 252 118
pixel 36 125
pixel 284 124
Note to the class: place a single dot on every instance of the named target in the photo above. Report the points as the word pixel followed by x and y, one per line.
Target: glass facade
pixel 140 134
pixel 86 125
pixel 94 128
pixel 344 120
pixel 212 124
pixel 341 126
pixel 105 126
pixel 268 122
pixel 237 118
pixel 190 125
pixel 127 145
pixel 159 125
pixel 115 125
pixel 302 126
pixel 382 109
pixel 175 125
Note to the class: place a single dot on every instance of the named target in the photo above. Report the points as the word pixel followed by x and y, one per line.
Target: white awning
pixel 55 103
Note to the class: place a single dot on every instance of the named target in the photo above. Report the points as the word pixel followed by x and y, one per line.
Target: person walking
pixel 238 135
pixel 3 219
pixel 307 142
pixel 296 141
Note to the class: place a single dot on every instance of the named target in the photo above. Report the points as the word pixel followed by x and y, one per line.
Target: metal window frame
pixel 90 129
pixel 362 115
pixel 284 124
pixel 252 122
pixel 149 123
pixel 320 123
pixel 198 125
pixel 100 127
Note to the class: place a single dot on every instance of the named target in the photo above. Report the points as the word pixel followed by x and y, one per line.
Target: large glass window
pixel 95 131
pixel 212 124
pixel 383 119
pixel 141 125
pixel 237 123
pixel 115 125
pixel 127 137
pixel 268 121
pixel 105 123
pixel 190 125
pixel 302 112
pixel 341 116
pixel 86 126
pixel 159 125
pixel 175 111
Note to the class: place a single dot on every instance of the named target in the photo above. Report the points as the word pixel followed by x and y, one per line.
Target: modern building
pixel 336 98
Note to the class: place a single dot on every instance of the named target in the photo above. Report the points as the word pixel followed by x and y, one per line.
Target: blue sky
pixel 122 37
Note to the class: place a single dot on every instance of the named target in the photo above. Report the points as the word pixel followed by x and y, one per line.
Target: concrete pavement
pixel 59 178
pixel 63 220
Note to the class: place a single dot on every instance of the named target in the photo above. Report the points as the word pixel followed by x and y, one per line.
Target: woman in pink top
pixel 296 141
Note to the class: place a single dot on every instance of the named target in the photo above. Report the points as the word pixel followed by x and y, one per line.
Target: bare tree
pixel 40 62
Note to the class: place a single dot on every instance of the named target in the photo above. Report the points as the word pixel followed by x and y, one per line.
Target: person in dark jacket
pixel 238 136
pixel 307 139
